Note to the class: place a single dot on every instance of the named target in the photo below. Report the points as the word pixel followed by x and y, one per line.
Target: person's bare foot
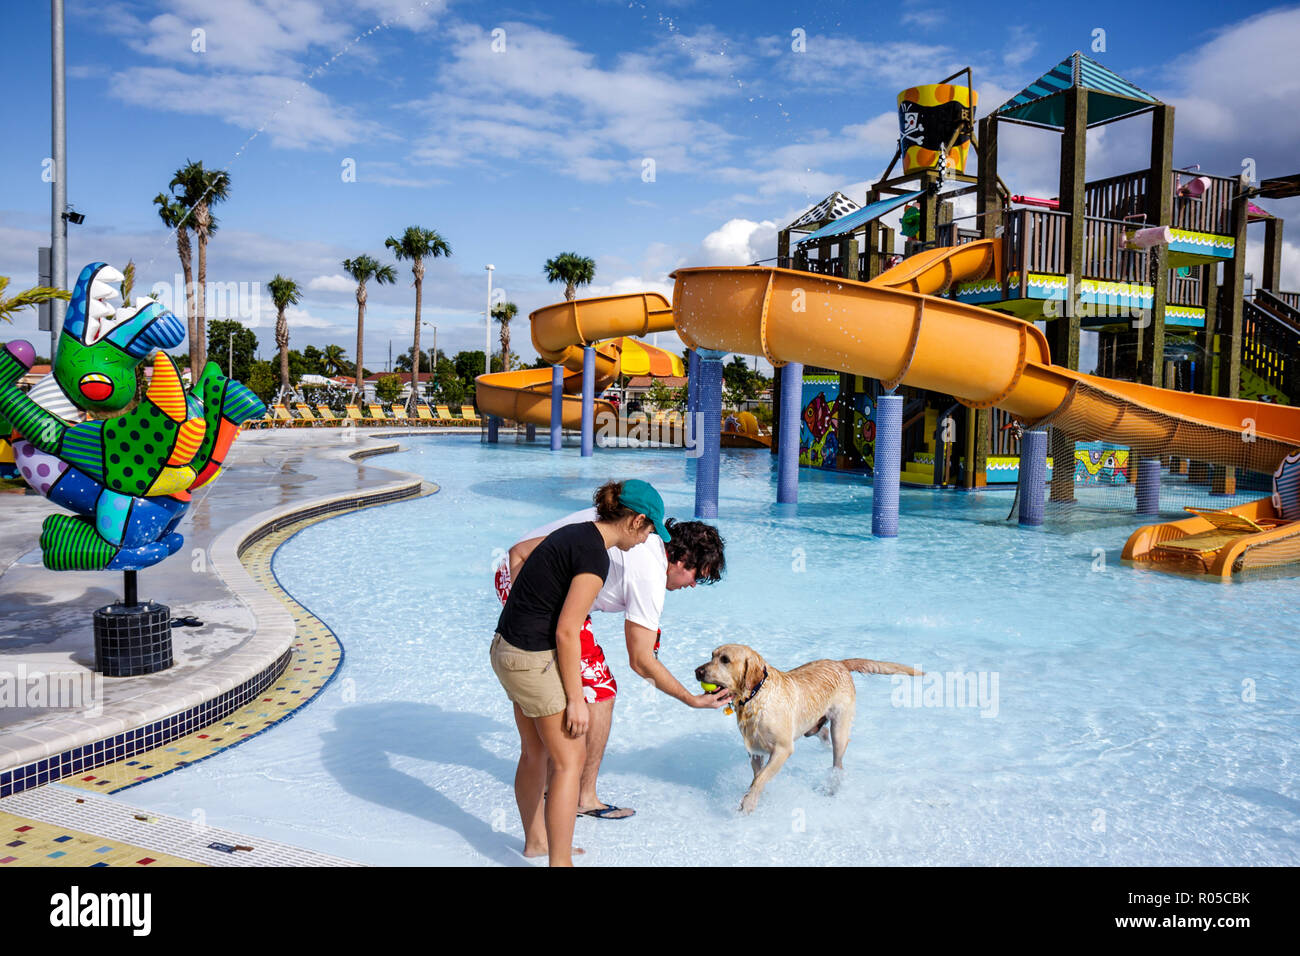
pixel 531 854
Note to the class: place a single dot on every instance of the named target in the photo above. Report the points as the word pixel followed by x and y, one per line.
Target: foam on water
pixel 1139 717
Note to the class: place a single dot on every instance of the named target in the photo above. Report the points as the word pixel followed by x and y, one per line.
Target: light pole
pixel 59 187
pixel 230 362
pixel 433 366
pixel 487 326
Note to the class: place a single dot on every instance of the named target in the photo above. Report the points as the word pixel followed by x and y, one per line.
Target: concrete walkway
pixel 50 698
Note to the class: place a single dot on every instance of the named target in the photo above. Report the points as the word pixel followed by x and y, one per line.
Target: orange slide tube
pixel 559 332
pixel 894 330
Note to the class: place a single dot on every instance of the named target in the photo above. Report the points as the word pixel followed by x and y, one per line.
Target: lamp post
pixel 230 357
pixel 59 186
pixel 487 326
pixel 433 366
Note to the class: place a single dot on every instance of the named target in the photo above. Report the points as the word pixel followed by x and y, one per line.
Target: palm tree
pixel 503 312
pixel 200 190
pixel 176 216
pixel 571 269
pixel 23 300
pixel 362 269
pixel 417 245
pixel 284 293
pixel 333 359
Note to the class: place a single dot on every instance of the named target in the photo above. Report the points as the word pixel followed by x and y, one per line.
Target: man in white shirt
pixel 635 586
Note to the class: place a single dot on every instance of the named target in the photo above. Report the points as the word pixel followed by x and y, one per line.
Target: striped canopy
pixel 642 358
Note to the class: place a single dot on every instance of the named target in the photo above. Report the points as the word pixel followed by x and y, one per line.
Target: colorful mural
pixel 824 409
pixel 1098 464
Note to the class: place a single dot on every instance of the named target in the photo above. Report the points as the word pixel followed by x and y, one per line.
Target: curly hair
pixel 699 547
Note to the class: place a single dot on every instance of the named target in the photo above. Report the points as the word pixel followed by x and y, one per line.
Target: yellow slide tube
pixel 560 331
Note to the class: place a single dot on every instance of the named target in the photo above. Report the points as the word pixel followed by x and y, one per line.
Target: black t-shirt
pixel 532 612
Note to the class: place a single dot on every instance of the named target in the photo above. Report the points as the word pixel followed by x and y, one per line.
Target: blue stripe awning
pixel 864 215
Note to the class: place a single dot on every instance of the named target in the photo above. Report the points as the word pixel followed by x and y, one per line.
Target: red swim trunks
pixel 597 682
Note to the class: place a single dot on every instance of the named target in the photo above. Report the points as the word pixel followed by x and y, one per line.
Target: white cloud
pixel 738 242
pixel 293 114
pixel 332 283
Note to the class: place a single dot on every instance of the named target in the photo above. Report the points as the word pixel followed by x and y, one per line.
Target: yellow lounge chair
pixel 468 416
pixel 377 413
pixel 282 417
pixel 1205 545
pixel 305 414
pixel 354 415
pixel 444 415
pixel 399 414
pixel 426 417
pixel 327 415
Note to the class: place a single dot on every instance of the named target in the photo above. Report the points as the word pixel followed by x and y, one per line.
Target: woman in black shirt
pixel 537 649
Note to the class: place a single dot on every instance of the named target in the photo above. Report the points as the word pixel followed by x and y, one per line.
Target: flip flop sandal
pixel 605 813
pixel 186 622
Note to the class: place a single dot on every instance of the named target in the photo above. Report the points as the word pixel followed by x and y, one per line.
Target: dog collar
pixel 756 689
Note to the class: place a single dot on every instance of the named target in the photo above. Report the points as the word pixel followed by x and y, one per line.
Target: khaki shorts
pixel 531 678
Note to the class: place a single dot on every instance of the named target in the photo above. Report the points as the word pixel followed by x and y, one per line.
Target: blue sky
pixel 533 140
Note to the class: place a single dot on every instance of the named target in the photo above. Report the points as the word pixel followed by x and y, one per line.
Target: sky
pixel 646 136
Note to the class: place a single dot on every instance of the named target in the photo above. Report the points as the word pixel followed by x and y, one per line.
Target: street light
pixel 433 367
pixel 487 326
pixel 230 364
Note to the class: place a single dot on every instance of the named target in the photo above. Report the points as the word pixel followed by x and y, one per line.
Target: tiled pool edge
pixel 225 686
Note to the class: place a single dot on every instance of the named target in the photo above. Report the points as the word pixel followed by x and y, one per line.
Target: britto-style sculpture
pixel 127 479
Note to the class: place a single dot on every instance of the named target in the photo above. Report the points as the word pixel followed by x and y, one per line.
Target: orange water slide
pixel 895 329
pixel 560 331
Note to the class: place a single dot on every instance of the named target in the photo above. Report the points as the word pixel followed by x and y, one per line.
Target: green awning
pixel 1110 96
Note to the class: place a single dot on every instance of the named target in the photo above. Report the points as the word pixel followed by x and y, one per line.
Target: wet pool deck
pixel 276 481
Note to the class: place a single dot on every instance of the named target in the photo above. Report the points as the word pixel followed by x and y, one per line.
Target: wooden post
pixel 1159 210
pixel 1074 146
pixel 1209 301
pixel 926 234
pixel 783 249
pixel 988 204
pixel 849 258
pixel 1272 280
pixel 1230 307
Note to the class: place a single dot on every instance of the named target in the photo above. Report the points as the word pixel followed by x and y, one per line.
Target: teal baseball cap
pixel 642 498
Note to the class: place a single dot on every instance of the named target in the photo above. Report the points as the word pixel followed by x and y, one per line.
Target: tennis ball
pixel 709 687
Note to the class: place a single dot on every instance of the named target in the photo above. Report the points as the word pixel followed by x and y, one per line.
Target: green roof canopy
pixel 1110 96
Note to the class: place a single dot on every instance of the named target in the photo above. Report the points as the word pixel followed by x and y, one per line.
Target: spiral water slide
pixel 559 333
pixel 895 329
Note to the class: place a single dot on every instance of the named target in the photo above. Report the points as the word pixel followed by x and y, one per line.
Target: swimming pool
pixel 1109 715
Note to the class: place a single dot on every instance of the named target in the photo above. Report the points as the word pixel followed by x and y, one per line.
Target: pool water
pixel 1108 714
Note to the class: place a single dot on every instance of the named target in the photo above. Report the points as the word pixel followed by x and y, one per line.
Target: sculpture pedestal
pixel 133 639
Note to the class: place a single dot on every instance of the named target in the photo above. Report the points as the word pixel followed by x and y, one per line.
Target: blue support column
pixel 787 460
pixel 692 394
pixel 493 424
pixel 588 401
pixel 557 406
pixel 889 453
pixel 1033 476
pixel 709 435
pixel 1148 486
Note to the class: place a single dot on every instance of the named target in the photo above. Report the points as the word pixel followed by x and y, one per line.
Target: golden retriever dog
pixel 773 707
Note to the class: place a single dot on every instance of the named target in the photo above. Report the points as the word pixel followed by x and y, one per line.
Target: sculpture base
pixel 131 640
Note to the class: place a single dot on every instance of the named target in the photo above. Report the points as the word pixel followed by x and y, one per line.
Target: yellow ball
pixel 711 688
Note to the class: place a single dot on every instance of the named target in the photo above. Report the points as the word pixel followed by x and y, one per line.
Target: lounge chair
pixel 354 415
pixel 425 416
pixel 305 414
pixel 445 416
pixel 283 417
pixel 399 414
pixel 327 415
pixel 468 415
pixel 1205 545
pixel 377 413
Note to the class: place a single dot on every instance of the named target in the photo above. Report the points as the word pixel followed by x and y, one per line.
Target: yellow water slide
pixel 895 329
pixel 560 332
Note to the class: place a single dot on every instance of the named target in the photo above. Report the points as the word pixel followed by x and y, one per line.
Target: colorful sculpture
pixel 129 478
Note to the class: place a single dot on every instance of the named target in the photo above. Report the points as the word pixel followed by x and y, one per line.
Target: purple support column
pixel 692 394
pixel 787 455
pixel 889 453
pixel 709 435
pixel 557 406
pixel 588 401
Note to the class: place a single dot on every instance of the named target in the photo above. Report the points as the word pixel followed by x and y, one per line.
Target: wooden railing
pixel 1035 242
pixel 951 234
pixel 1290 298
pixel 1116 197
pixel 1185 290
pixel 1211 211
pixel 883 260
pixel 1267 346
pixel 1002 440
pixel 1105 255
